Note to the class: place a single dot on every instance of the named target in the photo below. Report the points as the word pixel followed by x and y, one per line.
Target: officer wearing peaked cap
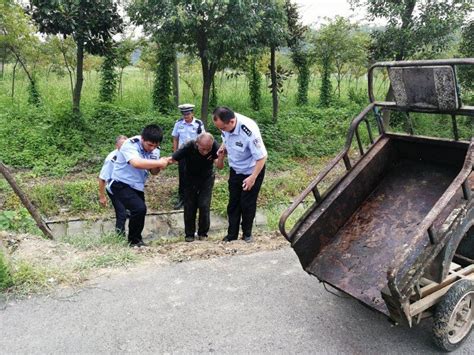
pixel 186 129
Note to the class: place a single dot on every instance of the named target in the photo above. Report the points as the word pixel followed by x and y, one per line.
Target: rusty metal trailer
pixel 395 230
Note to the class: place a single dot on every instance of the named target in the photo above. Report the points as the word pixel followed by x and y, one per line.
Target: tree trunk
pixel 68 67
pixel 208 71
pixel 176 79
pixel 76 97
pixel 206 88
pixel 13 78
pixel 26 202
pixel 4 57
pixel 274 84
pixel 120 83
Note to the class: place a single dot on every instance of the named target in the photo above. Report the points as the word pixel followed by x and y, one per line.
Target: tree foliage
pixel 216 31
pixel 466 50
pixel 255 84
pixel 108 77
pixel 299 50
pixel 91 23
pixel 163 78
pixel 273 34
pixel 18 37
pixel 422 27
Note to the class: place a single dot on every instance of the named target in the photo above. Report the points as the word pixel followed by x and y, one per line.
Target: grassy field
pixel 56 157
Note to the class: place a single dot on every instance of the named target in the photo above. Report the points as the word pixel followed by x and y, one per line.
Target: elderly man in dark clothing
pixel 200 156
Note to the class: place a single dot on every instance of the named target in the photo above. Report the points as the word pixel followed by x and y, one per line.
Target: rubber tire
pixel 443 312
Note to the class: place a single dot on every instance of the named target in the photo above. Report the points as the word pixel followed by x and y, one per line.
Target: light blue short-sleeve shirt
pixel 244 145
pixel 186 132
pixel 124 172
pixel 106 171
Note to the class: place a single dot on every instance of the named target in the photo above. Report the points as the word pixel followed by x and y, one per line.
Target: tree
pixel 163 78
pixel 273 34
pixel 63 50
pixel 299 52
pixel 124 52
pixel 466 50
pixel 255 83
pixel 216 31
pixel 91 23
pixel 108 76
pixel 18 37
pixel 414 26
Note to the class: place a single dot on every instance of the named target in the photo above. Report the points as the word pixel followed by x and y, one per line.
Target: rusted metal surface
pixel 320 225
pixel 342 156
pixel 358 258
pixel 403 209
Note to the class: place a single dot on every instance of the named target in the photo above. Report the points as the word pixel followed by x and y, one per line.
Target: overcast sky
pixel 312 12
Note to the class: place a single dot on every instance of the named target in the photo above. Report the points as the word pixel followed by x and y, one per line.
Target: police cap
pixel 185 108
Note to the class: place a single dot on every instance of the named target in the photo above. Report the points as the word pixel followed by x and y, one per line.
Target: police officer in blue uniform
pixel 137 158
pixel 247 155
pixel 105 176
pixel 187 128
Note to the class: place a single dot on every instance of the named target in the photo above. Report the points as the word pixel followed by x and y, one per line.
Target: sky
pixel 313 12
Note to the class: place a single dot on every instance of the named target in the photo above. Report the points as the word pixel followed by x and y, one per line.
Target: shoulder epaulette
pixel 247 131
pixel 135 140
pixel 114 158
pixel 199 122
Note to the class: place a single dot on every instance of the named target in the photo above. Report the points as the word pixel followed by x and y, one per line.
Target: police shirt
pixel 106 171
pixel 124 172
pixel 244 145
pixel 186 132
pixel 197 164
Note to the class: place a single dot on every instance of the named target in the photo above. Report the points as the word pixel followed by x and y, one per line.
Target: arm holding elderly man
pixel 138 157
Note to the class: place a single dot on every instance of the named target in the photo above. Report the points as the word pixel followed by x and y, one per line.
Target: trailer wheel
pixel 454 316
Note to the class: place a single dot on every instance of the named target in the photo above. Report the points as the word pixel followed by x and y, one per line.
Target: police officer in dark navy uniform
pixel 200 157
pixel 187 128
pixel 105 176
pixel 247 155
pixel 137 158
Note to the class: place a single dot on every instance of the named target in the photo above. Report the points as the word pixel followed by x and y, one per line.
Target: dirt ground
pixel 60 255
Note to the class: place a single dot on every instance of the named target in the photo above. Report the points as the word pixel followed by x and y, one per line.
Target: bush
pixel 18 221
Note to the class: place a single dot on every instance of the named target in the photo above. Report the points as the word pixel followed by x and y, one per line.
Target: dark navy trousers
pixel 242 204
pixel 120 214
pixel 134 201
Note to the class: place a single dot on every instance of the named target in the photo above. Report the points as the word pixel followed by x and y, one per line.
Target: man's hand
pixel 221 152
pixel 248 183
pixel 103 201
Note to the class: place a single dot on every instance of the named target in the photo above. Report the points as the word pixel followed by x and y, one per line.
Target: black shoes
pixel 179 204
pixel 228 239
pixel 247 239
pixel 189 238
pixel 202 237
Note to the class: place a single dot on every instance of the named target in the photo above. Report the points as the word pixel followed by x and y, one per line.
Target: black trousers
pixel 197 196
pixel 242 204
pixel 182 178
pixel 120 214
pixel 134 201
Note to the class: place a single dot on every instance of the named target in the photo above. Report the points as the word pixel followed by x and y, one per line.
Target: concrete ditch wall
pixel 157 225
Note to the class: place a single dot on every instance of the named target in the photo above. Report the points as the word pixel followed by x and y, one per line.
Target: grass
pixel 28 278
pixel 67 261
pixel 89 242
